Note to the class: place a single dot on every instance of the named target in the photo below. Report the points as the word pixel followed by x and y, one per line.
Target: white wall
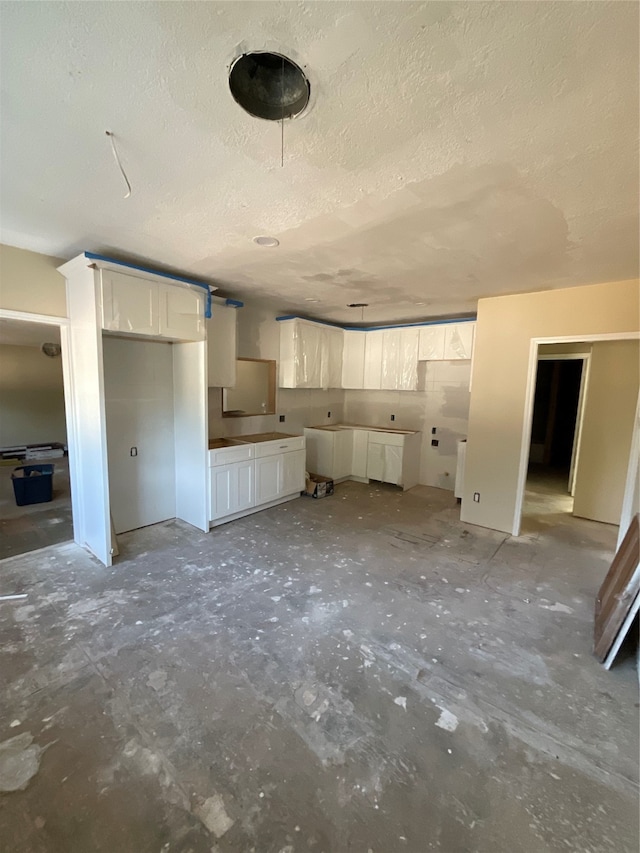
pixel 30 282
pixel 31 397
pixel 443 404
pixel 609 415
pixel 259 337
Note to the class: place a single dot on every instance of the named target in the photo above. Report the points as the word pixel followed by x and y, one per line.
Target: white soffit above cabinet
pixel 450 151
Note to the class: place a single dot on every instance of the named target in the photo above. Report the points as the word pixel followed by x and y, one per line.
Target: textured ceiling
pixel 450 150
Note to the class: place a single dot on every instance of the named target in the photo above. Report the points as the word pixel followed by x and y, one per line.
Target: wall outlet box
pixel 328 414
pixel 434 442
pixel 476 497
pixel 393 417
pixel 433 430
pixel 281 419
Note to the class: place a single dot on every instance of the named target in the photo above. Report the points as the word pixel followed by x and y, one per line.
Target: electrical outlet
pixel 393 417
pixel 476 497
pixel 328 414
pixel 434 442
pixel 433 430
pixel 281 419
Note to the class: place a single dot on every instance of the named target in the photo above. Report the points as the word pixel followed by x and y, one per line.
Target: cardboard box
pixel 318 487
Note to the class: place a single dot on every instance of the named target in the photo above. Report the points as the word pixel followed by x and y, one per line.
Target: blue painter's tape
pixel 207 311
pixel 381 328
pixel 235 303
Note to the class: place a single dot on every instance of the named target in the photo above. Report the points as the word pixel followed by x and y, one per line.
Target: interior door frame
pixel 585 357
pixel 63 325
pixel 530 390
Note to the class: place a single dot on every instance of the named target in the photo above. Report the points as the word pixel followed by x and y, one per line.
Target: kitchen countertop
pixel 234 441
pixel 338 427
pixel 217 443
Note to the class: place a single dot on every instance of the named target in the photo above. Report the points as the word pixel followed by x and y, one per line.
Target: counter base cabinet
pixel 373 455
pixel 232 488
pixel 241 488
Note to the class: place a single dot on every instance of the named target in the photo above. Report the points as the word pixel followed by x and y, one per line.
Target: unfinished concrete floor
pixel 28 528
pixel 360 673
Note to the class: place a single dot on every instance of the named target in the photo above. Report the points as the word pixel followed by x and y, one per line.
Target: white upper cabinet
pixel 458 340
pixel 353 359
pixel 139 306
pixel 373 360
pixel 222 346
pixel 431 346
pixel 400 359
pixel 129 304
pixel 181 312
pixel 310 355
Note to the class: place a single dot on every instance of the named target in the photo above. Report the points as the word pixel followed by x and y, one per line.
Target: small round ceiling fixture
pixel 52 350
pixel 269 85
pixel 268 242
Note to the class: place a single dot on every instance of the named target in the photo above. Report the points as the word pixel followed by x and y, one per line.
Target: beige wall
pixel 504 331
pixel 29 282
pixel 609 414
pixel 31 397
pixel 259 337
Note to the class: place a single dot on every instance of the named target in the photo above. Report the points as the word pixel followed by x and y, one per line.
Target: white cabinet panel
pixel 458 340
pixel 392 464
pixel 231 488
pixel 408 362
pixel 353 359
pixel 129 304
pixel 292 472
pixel 309 356
pixel 181 312
pixel 222 346
pixel 268 479
pixel 360 449
pixel 332 351
pixel 373 360
pixel 343 454
pixel 431 343
pixel 391 346
pixel 375 461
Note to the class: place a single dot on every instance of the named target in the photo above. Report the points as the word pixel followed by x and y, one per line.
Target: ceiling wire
pixel 282 121
pixel 117 159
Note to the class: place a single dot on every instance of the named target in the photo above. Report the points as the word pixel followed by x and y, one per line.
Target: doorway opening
pixel 555 433
pixel 35 489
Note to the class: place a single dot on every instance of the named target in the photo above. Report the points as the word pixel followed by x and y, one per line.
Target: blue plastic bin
pixel 34 485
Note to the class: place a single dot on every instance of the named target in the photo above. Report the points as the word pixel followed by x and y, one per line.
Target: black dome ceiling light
pixel 269 85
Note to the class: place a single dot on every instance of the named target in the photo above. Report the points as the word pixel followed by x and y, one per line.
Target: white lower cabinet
pixel 232 488
pixel 390 457
pixel 247 477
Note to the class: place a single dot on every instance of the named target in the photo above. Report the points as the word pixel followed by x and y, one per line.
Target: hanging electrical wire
pixel 117 159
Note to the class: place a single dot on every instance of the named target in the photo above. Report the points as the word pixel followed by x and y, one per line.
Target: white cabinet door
pixel 288 349
pixel 391 345
pixel 408 360
pixel 268 478
pixel 181 312
pixel 221 346
pixel 458 340
pixel 309 355
pixel 129 304
pixel 375 461
pixel 392 464
pixel 353 359
pixel 343 454
pixel 320 450
pixel 431 343
pixel 231 488
pixel 373 360
pixel 292 472
pixel 360 452
pixel 332 349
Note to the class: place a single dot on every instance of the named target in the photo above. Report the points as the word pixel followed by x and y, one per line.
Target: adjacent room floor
pixel 360 673
pixel 27 528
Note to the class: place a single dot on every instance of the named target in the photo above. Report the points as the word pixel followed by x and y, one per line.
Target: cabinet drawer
pixel 392 439
pixel 270 448
pixel 227 455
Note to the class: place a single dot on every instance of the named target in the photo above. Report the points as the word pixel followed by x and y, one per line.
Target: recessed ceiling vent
pixel 269 86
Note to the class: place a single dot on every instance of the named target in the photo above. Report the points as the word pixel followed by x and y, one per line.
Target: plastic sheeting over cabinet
pixel 310 355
